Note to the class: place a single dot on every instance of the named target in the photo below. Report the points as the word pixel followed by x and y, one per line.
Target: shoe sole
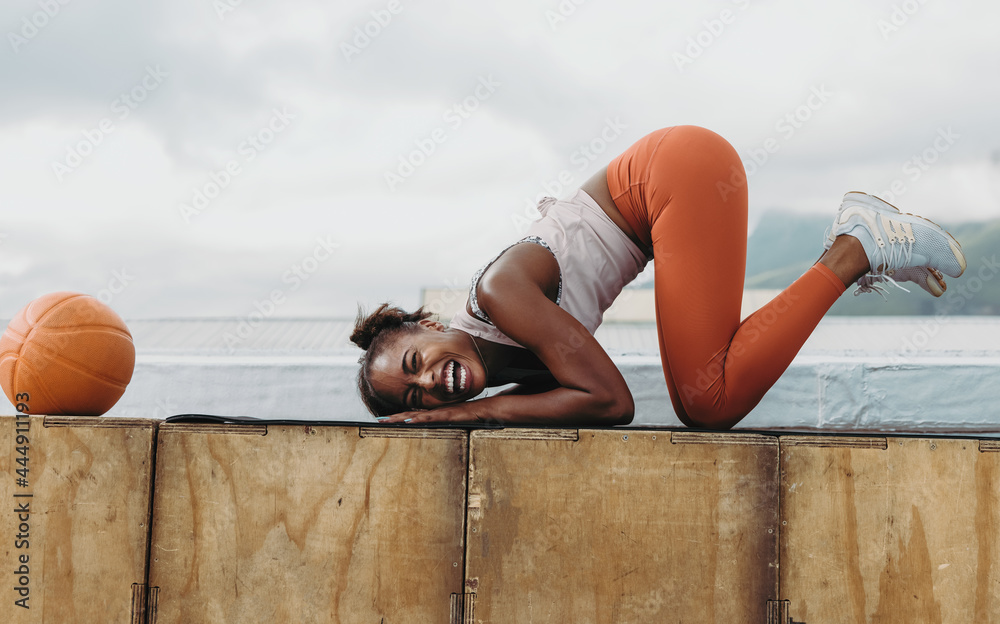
pixel 936 287
pixel 877 203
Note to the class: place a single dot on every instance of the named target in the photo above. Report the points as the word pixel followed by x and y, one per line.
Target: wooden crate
pixel 890 529
pixel 75 522
pixel 621 526
pixel 307 524
pixel 268 523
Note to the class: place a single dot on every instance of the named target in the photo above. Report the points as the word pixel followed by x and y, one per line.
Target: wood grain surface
pixel 330 524
pixel 89 481
pixel 307 524
pixel 621 527
pixel 907 530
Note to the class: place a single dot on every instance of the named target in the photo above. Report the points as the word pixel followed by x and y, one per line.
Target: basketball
pixel 66 353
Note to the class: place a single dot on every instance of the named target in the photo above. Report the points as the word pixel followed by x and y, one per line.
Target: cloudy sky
pixel 197 157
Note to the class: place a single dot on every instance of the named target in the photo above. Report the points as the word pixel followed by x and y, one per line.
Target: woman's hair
pixel 372 332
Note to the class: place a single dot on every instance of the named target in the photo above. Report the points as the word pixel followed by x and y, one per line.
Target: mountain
pixel 783 246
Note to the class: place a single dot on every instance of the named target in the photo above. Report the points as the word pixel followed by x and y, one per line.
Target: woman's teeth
pixel 455 375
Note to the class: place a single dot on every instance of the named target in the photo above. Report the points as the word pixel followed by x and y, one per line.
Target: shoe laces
pixel 891 254
pixel 869 283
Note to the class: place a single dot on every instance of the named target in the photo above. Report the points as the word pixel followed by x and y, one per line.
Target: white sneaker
pixel 900 247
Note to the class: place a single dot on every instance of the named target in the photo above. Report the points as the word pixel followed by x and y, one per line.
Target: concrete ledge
pixel 915 375
pixel 841 393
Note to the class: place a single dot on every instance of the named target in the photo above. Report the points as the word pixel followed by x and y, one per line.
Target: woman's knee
pixel 704 412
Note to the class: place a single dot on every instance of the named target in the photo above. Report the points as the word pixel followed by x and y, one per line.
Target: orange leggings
pixel 684 192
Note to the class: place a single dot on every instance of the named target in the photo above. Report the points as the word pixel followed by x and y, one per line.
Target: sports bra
pixel 474 299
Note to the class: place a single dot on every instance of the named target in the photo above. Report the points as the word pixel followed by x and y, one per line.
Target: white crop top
pixel 596 260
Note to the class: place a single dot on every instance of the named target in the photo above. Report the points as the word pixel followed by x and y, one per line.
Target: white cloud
pixel 355 117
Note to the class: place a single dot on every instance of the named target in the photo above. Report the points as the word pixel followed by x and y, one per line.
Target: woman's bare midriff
pixel 597 187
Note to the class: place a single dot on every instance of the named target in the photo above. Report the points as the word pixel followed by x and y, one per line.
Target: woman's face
pixel 428 367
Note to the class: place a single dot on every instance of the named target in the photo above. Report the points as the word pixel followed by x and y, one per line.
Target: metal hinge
pixel 144 601
pixel 777 612
pixel 836 442
pixel 463 608
pixel 714 437
pixel 230 428
pixel 989 446
pixel 406 432
pixel 516 433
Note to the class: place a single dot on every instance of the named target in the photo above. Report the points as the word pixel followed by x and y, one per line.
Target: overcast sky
pixel 195 158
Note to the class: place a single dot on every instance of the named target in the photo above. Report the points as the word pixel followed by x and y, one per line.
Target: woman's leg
pixel 684 191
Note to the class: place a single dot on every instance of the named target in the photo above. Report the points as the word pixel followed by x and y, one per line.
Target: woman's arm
pixel 591 389
pixel 561 406
pixel 535 387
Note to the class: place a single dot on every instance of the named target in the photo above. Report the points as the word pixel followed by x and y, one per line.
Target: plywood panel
pixel 622 526
pixel 307 524
pixel 894 530
pixel 74 526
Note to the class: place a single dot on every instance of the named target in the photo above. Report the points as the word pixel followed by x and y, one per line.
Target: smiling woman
pixel 415 363
pixel 678 196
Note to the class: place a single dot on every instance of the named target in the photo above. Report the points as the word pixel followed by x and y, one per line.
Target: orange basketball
pixel 66 353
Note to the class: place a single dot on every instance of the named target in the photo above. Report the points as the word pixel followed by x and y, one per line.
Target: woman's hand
pixel 458 413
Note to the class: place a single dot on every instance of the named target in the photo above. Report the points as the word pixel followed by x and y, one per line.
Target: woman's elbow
pixel 616 410
pixel 625 417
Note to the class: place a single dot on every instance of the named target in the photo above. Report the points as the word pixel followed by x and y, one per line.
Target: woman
pixel 678 196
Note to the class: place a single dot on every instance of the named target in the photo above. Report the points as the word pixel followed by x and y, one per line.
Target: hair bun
pixel 385 317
